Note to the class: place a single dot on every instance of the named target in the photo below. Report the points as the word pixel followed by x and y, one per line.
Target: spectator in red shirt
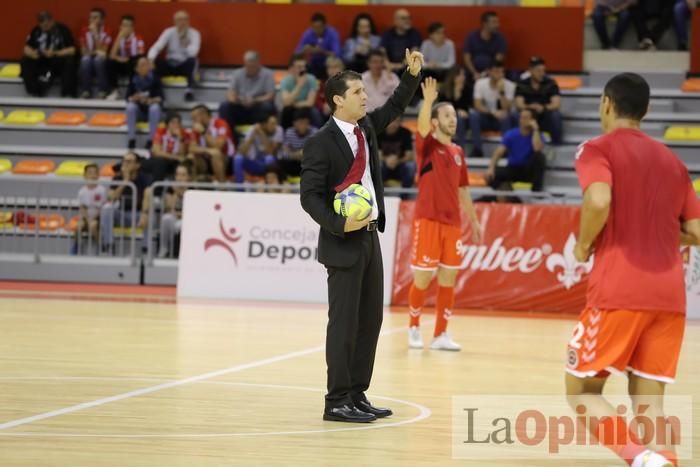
pixel 170 146
pixel 95 41
pixel 211 146
pixel 126 49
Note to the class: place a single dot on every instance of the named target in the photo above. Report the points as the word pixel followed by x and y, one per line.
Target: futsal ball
pixel 354 200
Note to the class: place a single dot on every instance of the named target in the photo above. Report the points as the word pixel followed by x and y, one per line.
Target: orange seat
pixel 67 118
pixel 691 85
pixel 108 169
pixel 73 223
pixel 34 167
pixel 491 134
pixel 107 119
pixel 477 179
pixel 46 222
pixel 278 75
pixel 568 83
pixel 410 124
pixel 248 178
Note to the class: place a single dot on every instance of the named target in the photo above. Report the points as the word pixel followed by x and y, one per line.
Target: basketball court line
pixel 173 384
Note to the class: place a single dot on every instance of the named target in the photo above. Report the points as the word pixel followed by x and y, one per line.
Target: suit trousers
pixel 355 297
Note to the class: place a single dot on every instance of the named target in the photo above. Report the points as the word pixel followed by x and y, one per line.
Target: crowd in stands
pixel 274 123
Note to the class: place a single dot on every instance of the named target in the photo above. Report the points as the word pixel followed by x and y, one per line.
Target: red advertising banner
pixel 526 261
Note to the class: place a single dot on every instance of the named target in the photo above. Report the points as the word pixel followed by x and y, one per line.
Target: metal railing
pixel 40 216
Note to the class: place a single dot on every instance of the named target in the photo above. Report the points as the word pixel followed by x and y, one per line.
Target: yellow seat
pixel 696 185
pixel 25 117
pixel 538 3
pixel 351 2
pixel 682 133
pixel 10 70
pixel 294 180
pixel 241 129
pixel 142 126
pixel 522 186
pixel 5 165
pixel 71 168
pixel 174 80
pixel 126 231
pixel 2 115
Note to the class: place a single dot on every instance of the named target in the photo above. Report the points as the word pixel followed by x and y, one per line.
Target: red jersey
pixel 169 142
pixel 131 46
pixel 638 263
pixel 91 42
pixel 444 171
pixel 218 128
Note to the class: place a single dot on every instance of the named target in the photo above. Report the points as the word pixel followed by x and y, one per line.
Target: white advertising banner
pixel 259 246
pixel 691 259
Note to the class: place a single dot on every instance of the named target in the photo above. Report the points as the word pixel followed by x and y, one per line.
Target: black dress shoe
pixel 347 413
pixel 367 407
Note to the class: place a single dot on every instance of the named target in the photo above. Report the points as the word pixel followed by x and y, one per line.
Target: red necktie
pixel 358 166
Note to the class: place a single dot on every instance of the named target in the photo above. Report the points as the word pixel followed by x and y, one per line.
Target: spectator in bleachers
pixel 457 90
pixel 602 11
pixel 259 149
pixel 49 53
pixel 362 39
pixel 95 41
pixel 396 40
pixel 493 101
pixel 121 200
pixel 181 43
pixel 298 90
pixel 681 15
pixel 170 148
pixel 396 151
pixel 379 81
pixel 293 145
pixel 317 43
pixel 144 99
pixel 485 46
pixel 211 145
pixel 523 146
pixel 438 52
pixel 91 198
pixel 540 93
pixel 171 221
pixel 126 49
pixel 251 93
pixel 334 65
pixel 662 13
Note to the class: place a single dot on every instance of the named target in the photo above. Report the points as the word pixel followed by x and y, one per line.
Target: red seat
pixel 34 167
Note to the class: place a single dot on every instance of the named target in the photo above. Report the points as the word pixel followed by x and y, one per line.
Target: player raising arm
pixel 443 193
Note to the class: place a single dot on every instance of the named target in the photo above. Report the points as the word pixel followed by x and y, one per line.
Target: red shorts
pixel 646 343
pixel 436 245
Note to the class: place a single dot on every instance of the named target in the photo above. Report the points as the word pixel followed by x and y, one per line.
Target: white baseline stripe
pixel 172 384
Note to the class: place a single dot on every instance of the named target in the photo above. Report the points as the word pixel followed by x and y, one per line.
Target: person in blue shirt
pixel 523 147
pixel 318 42
pixel 484 46
pixel 396 40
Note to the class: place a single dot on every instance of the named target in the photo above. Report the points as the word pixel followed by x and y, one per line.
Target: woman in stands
pixel 171 221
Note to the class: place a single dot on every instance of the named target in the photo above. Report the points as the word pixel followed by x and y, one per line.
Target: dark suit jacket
pixel 327 160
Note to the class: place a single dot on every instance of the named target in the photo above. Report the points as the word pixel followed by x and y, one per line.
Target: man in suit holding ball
pixel 343 152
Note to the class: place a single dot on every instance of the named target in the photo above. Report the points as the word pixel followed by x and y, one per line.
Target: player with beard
pixel 443 193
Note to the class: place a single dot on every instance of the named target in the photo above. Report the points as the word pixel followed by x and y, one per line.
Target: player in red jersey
pixel 443 192
pixel 638 207
pixel 170 147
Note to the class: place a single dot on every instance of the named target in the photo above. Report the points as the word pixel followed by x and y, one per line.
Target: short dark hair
pixel 201 107
pixel 376 53
pixel 318 17
pixel 496 64
pixel 302 113
pixel 296 57
pixel 128 18
pixel 435 27
pixel 436 108
pixel 265 116
pixel 98 10
pixel 629 94
pixel 170 116
pixel 487 15
pixel 89 166
pixel 43 15
pixel 337 85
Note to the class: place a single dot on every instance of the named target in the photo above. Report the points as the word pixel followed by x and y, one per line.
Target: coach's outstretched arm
pixel 399 100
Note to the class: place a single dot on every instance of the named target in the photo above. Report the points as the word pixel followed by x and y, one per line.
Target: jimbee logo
pixel 229 239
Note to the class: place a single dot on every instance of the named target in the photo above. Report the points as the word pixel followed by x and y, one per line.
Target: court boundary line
pixel 172 384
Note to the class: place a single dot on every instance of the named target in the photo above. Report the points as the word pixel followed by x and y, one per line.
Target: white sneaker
pixel 651 459
pixel 113 96
pixel 414 339
pixel 445 342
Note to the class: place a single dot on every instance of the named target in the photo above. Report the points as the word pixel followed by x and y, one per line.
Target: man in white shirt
pixel 379 82
pixel 181 43
pixel 493 100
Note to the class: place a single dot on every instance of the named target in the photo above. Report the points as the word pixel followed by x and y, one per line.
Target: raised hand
pixel 414 60
pixel 429 87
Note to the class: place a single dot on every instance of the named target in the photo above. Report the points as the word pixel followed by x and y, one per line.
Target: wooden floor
pixel 101 383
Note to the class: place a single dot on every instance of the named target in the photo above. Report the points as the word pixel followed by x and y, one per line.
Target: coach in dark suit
pixel 343 152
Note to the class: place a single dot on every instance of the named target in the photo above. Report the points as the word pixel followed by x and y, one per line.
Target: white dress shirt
pixel 178 49
pixel 348 130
